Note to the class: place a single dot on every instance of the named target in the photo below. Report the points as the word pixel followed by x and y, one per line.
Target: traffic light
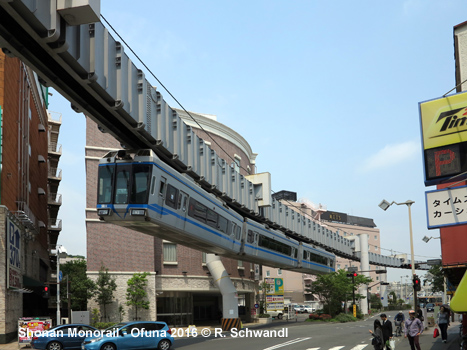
pixel 406 266
pixel 416 284
pixel 353 274
pixel 45 292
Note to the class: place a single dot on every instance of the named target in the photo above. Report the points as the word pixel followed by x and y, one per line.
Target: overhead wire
pixel 194 119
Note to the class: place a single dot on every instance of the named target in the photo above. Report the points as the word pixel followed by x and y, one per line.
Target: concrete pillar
pixel 364 266
pixel 229 293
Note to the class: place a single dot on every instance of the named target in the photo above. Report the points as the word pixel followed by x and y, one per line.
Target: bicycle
pixel 398 325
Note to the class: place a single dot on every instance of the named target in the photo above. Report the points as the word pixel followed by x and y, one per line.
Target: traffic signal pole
pixel 412 258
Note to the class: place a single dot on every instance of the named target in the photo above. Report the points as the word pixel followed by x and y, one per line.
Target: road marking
pixel 313 348
pixel 359 347
pixel 336 348
pixel 290 342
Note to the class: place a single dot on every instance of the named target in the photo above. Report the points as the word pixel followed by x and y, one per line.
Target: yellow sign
pixel 444 121
pixel 354 310
pixel 459 300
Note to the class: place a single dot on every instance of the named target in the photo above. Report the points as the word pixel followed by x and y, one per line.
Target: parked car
pixel 279 314
pixel 299 308
pixel 309 309
pixel 430 307
pixel 67 336
pixel 132 335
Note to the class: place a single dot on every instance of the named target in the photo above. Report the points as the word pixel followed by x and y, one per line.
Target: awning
pixel 31 282
pixel 459 300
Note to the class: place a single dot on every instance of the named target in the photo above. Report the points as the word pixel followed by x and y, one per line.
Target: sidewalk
pixel 427 342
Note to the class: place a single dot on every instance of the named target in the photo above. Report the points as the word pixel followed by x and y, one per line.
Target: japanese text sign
pixel 446 207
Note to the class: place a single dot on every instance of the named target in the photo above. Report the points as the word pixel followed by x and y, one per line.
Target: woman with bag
pixel 443 323
pixel 377 341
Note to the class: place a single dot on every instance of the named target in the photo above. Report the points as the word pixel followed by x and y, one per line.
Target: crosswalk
pixel 298 340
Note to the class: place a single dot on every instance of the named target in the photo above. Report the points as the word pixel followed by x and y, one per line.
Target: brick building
pixel 180 289
pixel 24 186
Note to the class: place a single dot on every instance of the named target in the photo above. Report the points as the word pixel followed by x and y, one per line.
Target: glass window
pixel 212 218
pixel 197 210
pixel 279 272
pixel 203 258
pixel 105 184
pixel 223 224
pixel 240 263
pixel 171 196
pixel 170 252
pixel 140 184
pixel 268 273
pixel 122 183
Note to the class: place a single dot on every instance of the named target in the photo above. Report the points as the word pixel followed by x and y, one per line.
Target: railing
pixel 55 198
pixel 55 172
pixel 51 118
pixel 56 148
pixel 55 224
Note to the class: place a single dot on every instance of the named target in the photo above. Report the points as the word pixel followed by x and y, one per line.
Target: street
pixel 310 336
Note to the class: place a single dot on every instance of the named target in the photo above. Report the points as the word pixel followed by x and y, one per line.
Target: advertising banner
pixel 27 326
pixel 14 276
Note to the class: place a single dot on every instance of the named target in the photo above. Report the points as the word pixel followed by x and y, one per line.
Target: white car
pixel 309 309
pixel 276 314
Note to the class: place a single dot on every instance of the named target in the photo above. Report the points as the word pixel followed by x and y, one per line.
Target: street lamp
pixel 385 205
pixel 61 253
pixel 426 239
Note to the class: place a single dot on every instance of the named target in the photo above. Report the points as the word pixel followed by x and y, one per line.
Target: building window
pixel 240 263
pixel 268 274
pixel 279 272
pixel 376 237
pixel 170 252
pixel 203 258
pixel 338 266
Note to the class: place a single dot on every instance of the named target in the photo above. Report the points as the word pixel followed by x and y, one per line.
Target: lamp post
pixel 385 205
pixel 60 252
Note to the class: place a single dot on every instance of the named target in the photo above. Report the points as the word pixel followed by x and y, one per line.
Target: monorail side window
pixel 239 233
pixel 122 183
pixel 250 238
pixel 197 210
pixel 140 184
pixel 105 184
pixel 223 224
pixel 212 218
pixel 171 196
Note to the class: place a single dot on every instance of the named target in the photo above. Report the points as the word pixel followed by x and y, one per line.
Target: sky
pixel 325 92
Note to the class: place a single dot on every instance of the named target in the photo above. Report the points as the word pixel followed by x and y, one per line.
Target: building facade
pixel 25 179
pixel 180 288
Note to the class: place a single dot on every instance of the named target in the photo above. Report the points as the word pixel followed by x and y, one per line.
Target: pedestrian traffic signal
pixel 353 274
pixel 416 284
pixel 406 266
pixel 45 292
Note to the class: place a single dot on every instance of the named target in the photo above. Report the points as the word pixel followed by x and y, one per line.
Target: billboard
pixel 274 293
pixel 444 137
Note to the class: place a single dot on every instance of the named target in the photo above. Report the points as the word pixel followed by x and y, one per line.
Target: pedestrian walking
pixel 377 333
pixel 386 326
pixel 443 323
pixel 413 328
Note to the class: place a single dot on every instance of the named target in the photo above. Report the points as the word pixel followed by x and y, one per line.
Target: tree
pixel 81 287
pixel 136 294
pixel 106 286
pixel 335 288
pixel 375 301
pixel 264 288
pixel 435 277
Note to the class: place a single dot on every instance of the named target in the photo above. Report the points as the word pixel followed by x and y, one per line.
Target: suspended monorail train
pixel 139 191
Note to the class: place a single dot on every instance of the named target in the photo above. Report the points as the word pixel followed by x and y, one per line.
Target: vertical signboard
pixel 444 137
pixel 275 293
pixel 13 255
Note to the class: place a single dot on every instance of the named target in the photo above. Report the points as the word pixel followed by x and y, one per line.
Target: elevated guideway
pixel 72 51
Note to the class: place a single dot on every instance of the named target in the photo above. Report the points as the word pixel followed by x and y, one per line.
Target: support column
pixel 364 266
pixel 230 317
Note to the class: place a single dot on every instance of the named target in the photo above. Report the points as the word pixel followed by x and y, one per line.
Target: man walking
pixel 413 329
pixel 386 326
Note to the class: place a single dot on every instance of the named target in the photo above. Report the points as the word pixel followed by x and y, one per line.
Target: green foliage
pixel 104 325
pixel 264 316
pixel 121 312
pixel 435 277
pixel 345 318
pixel 106 287
pixel 333 288
pixel 95 316
pixel 81 288
pixel 136 294
pixel 376 301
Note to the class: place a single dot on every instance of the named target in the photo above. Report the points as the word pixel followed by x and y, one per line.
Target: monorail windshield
pixel 123 184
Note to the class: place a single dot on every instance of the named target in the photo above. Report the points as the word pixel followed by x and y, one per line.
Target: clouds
pixel 391 155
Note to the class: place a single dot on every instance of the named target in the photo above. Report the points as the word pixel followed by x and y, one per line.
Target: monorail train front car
pixel 139 191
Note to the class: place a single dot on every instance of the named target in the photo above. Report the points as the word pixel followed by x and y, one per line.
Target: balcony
pixel 55 225
pixel 55 174
pixel 54 199
pixel 55 148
